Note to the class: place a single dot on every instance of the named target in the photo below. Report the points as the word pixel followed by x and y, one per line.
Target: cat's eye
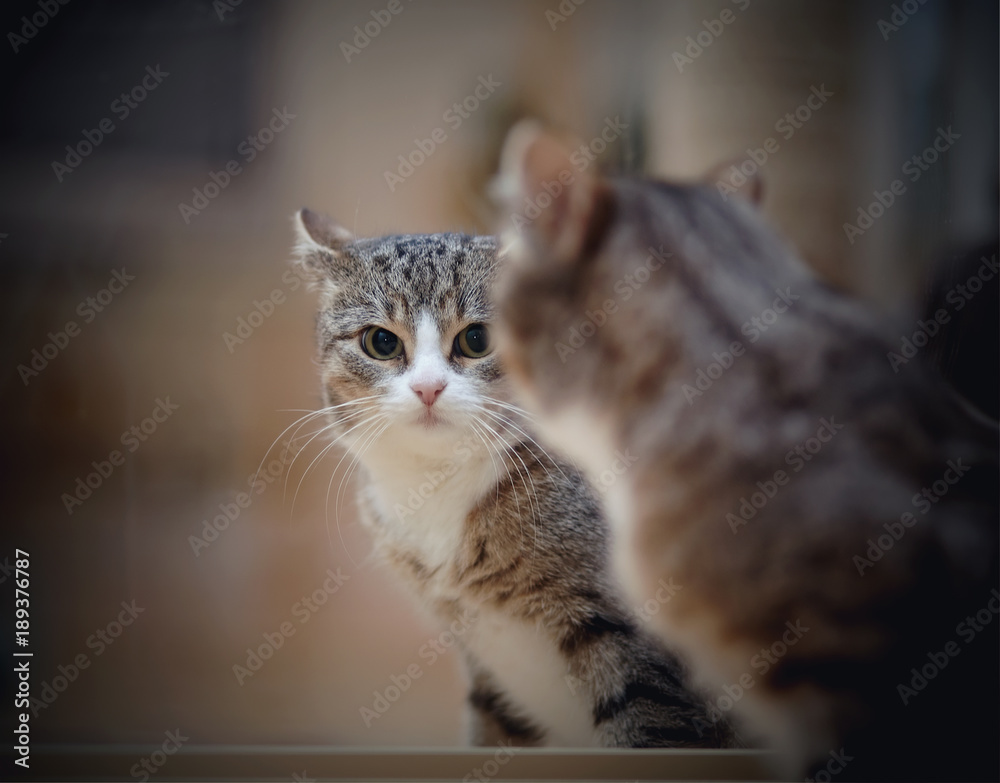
pixel 380 343
pixel 474 341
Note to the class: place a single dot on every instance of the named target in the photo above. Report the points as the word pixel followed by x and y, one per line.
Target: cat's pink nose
pixel 428 391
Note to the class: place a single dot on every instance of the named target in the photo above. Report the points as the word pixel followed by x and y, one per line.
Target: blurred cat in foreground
pixel 833 524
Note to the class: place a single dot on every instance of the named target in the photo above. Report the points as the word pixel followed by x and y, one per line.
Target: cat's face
pixel 405 333
pixel 604 280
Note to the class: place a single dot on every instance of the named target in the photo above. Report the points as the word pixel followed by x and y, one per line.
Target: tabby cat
pixel 502 543
pixel 833 522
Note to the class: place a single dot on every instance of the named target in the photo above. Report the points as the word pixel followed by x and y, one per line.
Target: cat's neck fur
pixel 423 497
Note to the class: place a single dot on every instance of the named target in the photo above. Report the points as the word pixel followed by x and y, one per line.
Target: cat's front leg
pixel 490 717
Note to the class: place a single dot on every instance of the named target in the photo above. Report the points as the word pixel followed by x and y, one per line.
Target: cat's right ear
pixel 551 203
pixel 319 245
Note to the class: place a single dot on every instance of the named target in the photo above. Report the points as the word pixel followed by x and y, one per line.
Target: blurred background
pixel 388 116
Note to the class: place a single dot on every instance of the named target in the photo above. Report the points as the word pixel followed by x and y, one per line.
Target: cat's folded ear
pixel 544 196
pixel 729 179
pixel 319 245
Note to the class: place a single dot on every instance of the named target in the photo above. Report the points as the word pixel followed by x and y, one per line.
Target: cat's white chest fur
pixel 430 519
pixel 524 661
pixel 423 504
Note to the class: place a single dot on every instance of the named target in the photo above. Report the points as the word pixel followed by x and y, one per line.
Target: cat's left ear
pixel 319 244
pixel 546 197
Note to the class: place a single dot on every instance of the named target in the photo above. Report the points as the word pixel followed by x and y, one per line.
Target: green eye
pixel 474 341
pixel 380 343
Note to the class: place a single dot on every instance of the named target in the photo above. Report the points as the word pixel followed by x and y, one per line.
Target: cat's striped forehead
pixel 397 278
